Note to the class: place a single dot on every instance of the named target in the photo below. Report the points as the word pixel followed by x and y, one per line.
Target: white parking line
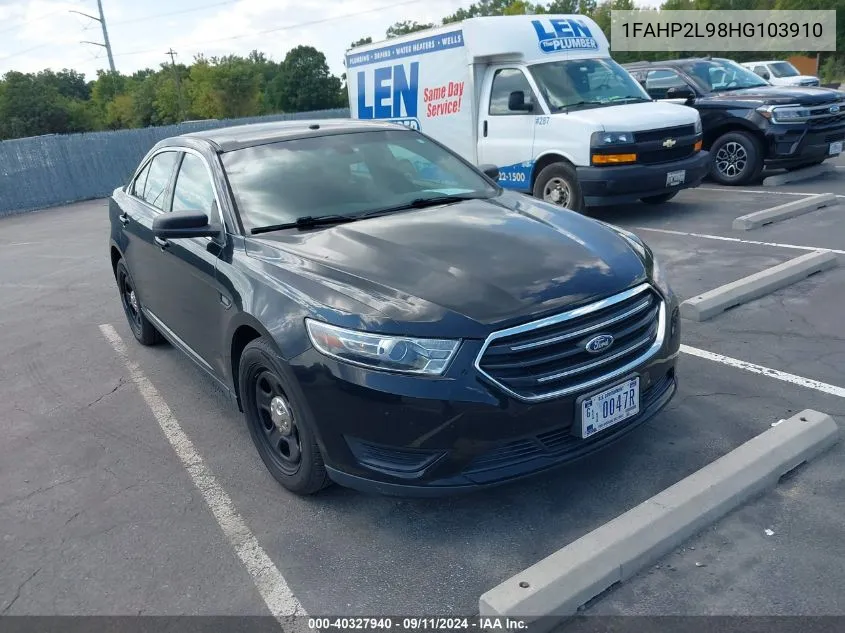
pixel 267 578
pixel 762 191
pixel 722 238
pixel 832 390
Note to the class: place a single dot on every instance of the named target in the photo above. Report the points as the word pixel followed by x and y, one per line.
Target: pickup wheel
pixel 736 158
pixel 557 183
pixel 660 198
pixel 280 423
pixel 144 331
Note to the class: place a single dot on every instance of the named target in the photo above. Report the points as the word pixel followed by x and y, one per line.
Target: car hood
pixel 775 95
pixel 482 262
pixel 632 117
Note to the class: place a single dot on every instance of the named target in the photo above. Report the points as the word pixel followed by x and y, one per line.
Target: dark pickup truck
pixel 749 124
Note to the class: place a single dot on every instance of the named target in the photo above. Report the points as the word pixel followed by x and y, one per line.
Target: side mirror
pixel 491 171
pixel 680 92
pixel 516 102
pixel 765 75
pixel 183 224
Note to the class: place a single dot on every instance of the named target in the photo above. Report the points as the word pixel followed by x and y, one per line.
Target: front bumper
pixel 620 184
pixel 792 145
pixel 404 435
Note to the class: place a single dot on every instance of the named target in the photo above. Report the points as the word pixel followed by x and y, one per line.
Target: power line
pixel 285 28
pixel 17 25
pixel 179 12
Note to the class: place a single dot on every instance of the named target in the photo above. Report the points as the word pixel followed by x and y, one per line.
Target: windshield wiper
pixel 569 106
pixel 421 203
pixel 628 98
pixel 306 222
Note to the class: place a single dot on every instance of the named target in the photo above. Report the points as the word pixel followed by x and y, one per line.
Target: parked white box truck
pixel 539 97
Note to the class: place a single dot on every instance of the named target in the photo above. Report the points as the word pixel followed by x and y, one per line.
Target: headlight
pixel 658 276
pixel 601 139
pixel 698 125
pixel 784 114
pixel 380 351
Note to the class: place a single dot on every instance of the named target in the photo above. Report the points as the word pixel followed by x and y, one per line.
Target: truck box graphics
pixel 414 83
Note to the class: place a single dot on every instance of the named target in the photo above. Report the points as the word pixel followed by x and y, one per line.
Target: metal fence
pixel 45 171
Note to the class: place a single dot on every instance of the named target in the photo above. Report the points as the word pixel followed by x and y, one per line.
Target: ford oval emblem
pixel 599 343
pixel 834 109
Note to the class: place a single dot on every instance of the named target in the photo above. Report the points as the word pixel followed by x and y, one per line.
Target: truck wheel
pixel 660 198
pixel 736 158
pixel 558 184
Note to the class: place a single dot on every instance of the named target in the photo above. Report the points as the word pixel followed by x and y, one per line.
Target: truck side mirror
pixel 516 102
pixel 491 171
pixel 680 92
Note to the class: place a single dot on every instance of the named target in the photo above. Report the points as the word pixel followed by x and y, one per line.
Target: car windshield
pixel 586 83
pixel 345 175
pixel 719 75
pixel 783 69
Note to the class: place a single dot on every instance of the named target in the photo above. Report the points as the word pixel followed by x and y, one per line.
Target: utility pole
pixel 105 43
pixel 172 55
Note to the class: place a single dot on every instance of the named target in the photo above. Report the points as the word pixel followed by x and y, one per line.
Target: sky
pixel 39 34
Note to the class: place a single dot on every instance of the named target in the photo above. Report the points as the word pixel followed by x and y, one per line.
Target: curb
pixel 784 211
pixel 713 302
pixel 798 175
pixel 567 579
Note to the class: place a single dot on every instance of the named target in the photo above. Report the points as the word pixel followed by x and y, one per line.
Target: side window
pixel 507 81
pixel 160 170
pixel 658 82
pixel 137 188
pixel 194 190
pixel 762 71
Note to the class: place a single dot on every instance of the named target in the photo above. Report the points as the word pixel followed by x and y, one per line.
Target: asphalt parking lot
pixel 98 514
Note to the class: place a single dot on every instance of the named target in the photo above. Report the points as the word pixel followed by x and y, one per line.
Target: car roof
pixel 673 62
pixel 227 139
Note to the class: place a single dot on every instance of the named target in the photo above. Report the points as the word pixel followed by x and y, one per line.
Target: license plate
pixel 610 407
pixel 676 177
pixel 835 148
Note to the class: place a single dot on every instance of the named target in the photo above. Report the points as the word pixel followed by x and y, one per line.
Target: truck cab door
pixel 509 106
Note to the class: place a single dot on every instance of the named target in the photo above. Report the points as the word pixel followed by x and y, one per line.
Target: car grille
pixel 826 121
pixel 666 132
pixel 548 358
pixel 665 155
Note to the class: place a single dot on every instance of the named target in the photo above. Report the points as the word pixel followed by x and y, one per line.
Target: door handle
pixel 163 243
pixel 124 219
pixel 485 128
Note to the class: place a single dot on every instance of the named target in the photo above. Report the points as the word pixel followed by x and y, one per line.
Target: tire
pixel 285 438
pixel 144 331
pixel 736 158
pixel 558 184
pixel 660 198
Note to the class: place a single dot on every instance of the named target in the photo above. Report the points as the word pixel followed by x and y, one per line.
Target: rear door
pixel 506 130
pixel 189 303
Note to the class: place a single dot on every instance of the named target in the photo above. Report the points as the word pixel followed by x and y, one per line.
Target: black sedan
pixel 385 315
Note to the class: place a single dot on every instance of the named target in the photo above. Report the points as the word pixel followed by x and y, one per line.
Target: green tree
pixel 361 42
pixel 405 27
pixel 305 83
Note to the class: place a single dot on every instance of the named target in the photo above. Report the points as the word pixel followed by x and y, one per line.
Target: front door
pixel 506 134
pixel 191 305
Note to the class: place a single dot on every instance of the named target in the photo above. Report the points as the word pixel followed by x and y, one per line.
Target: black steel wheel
pixel 279 420
pixel 144 331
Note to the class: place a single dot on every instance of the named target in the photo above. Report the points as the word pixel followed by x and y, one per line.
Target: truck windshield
pixel 586 83
pixel 720 75
pixel 347 174
pixel 783 69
